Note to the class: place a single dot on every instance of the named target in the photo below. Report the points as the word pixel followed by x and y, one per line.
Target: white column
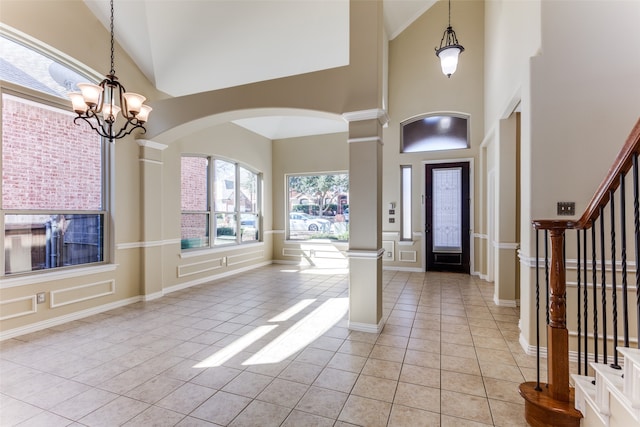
pixel 365 225
pixel 151 234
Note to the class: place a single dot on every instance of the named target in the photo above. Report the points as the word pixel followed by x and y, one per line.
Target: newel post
pixel 557 333
pixel 553 405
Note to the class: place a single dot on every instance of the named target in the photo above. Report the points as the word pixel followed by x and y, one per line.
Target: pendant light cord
pixel 449 20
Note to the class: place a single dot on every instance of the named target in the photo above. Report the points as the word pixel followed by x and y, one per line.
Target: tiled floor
pixel 270 347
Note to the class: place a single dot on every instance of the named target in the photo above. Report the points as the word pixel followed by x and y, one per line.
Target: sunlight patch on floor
pixel 302 333
pixel 218 358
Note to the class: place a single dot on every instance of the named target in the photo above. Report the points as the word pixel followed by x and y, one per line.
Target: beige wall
pixel 417 86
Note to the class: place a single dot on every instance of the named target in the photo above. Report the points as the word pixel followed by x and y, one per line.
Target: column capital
pixel 374 113
pixel 147 143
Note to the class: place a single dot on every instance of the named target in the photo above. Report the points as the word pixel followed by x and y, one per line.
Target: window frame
pixel 288 206
pixel 213 241
pixel 106 151
pixel 406 232
pixel 411 120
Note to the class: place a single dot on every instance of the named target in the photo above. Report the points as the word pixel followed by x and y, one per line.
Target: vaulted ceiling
pixel 191 46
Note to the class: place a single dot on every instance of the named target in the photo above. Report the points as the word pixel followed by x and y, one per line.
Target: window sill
pixel 50 276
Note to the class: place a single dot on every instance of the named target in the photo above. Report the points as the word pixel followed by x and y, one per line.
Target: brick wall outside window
pixel 48 162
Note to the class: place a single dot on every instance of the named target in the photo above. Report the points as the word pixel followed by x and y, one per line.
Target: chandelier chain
pixel 113 71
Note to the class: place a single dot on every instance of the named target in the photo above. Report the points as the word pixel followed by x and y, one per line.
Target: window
pixel 433 132
pixel 53 174
pixel 235 213
pixel 318 206
pixel 405 194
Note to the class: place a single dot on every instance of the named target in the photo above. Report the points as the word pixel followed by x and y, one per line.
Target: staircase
pixel 604 305
pixel 612 397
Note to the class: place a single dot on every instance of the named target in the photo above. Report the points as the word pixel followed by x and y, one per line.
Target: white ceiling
pixel 191 46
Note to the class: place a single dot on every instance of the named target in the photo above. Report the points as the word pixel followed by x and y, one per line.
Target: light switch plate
pixel 566 208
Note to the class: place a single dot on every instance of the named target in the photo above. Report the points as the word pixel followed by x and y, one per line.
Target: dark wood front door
pixel 447 217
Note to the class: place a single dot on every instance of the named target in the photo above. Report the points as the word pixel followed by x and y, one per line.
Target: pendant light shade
pixel 449 49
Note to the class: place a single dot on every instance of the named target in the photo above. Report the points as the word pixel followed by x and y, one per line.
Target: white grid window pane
pixel 447 210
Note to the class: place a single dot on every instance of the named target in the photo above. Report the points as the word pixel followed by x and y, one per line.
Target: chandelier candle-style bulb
pixel 143 115
pixel 91 93
pixel 133 102
pixel 110 112
pixel 77 100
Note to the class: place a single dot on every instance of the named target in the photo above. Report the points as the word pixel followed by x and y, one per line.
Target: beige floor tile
pixel 186 398
pixel 299 418
pixel 422 358
pixel 460 364
pixel 356 348
pixel 501 371
pixel 449 421
pixel 490 355
pixel 375 388
pixel 507 414
pixel 417 396
pixel 155 416
pixel 248 384
pixel 402 416
pixel 116 412
pixel 457 350
pixel 221 408
pixel 261 414
pixel 469 384
pixel 384 352
pixel 216 377
pixel 502 390
pixel 367 412
pixel 382 369
pixel 466 406
pixel 154 389
pixel 323 402
pixel 413 374
pixel 304 373
pixel 335 379
pixel 283 393
pixel 424 345
pixel 347 362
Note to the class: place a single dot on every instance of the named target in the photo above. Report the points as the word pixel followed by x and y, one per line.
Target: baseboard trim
pixel 35 327
pixel 366 327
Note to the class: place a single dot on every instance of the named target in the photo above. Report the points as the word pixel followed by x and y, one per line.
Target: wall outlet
pixel 392 220
pixel 566 208
pixel 41 298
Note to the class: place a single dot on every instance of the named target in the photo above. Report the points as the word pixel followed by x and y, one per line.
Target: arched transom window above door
pixel 434 132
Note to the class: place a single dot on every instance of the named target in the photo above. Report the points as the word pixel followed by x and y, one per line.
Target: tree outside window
pixel 318 206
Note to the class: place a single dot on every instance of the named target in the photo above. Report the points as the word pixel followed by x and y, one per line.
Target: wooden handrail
pixel 621 165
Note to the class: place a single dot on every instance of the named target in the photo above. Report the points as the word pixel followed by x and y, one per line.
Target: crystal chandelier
pixel 449 49
pixel 99 105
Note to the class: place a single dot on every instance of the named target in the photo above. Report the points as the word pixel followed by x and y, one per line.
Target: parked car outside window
pixel 302 222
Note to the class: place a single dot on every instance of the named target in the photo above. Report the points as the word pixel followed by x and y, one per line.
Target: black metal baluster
pixel 614 282
pixel 538 388
pixel 594 273
pixel 603 265
pixel 578 280
pixel 623 256
pixel 636 221
pixel 585 292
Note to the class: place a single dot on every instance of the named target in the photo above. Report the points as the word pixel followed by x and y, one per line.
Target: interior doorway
pixel 447 217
